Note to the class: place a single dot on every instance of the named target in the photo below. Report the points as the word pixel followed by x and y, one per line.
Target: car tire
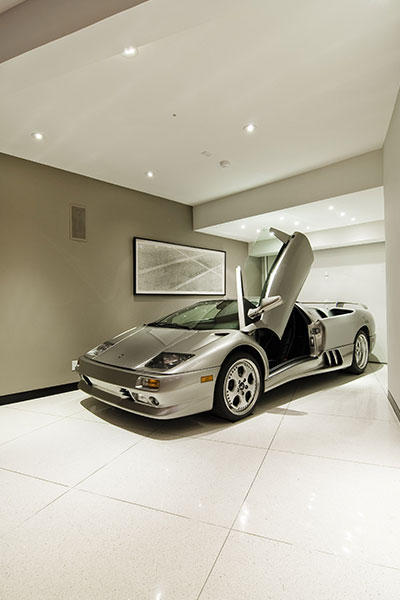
pixel 238 387
pixel 360 353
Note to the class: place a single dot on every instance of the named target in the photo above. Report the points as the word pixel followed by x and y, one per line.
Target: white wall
pixel 391 166
pixel 356 274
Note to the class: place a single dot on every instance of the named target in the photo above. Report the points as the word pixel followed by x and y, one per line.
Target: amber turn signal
pixel 153 383
pixel 206 378
pixel 147 383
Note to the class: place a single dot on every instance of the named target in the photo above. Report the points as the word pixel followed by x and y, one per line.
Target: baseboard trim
pixel 394 405
pixel 30 394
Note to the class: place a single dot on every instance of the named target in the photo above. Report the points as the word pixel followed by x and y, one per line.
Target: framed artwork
pixel 163 268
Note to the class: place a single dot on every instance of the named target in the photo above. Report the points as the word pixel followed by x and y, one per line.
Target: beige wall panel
pixel 41 21
pixel 391 167
pixel 253 277
pixel 58 297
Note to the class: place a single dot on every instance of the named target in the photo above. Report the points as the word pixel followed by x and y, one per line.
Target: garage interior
pixel 139 112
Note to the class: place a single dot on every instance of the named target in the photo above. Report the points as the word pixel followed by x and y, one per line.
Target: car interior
pixel 294 343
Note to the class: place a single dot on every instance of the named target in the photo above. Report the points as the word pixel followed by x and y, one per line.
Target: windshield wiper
pixel 167 325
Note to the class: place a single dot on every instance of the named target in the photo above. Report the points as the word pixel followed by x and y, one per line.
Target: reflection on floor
pixel 298 502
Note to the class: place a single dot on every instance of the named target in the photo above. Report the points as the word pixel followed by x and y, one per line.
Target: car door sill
pixel 299 367
pixel 289 364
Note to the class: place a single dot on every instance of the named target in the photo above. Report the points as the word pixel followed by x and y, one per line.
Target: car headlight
pixel 167 360
pixel 99 349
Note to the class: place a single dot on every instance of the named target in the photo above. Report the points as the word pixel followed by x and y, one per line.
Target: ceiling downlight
pixel 129 52
pixel 38 135
pixel 250 128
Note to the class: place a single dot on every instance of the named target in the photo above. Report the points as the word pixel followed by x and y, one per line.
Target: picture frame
pixel 166 268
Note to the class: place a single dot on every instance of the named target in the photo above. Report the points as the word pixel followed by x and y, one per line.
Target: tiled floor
pixel 298 502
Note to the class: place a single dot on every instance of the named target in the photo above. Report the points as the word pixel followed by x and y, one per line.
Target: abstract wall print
pixel 165 268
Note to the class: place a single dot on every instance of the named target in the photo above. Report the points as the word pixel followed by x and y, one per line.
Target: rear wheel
pixel 360 353
pixel 238 387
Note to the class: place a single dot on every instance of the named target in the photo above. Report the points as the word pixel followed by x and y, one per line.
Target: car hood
pixel 138 347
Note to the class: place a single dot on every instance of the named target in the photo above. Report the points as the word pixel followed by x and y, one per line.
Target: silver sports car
pixel 221 355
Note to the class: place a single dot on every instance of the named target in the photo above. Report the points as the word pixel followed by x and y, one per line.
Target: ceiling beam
pixel 371 232
pixel 345 177
pixel 34 23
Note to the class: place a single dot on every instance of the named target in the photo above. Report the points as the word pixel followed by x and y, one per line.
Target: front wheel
pixel 238 387
pixel 360 353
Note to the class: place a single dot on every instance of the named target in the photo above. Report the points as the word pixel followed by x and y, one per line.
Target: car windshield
pixel 209 314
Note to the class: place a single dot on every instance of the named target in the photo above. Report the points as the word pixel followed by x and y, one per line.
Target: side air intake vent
pixel 77 223
pixel 333 358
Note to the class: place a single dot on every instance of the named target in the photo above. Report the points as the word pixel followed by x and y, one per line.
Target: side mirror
pixel 265 305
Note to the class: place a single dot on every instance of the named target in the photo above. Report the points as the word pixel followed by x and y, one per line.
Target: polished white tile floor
pixel 298 502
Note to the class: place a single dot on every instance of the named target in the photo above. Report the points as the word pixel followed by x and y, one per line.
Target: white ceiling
pixel 319 78
pixel 343 211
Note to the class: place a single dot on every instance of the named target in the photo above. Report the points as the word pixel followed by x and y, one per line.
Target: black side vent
pixel 333 358
pixel 77 223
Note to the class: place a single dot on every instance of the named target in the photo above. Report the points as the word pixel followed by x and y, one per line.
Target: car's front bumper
pixel 178 395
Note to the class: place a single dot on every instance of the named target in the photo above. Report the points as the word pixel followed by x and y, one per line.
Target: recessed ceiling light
pixel 258 230
pixel 342 214
pixel 129 51
pixel 249 128
pixel 243 227
pixel 150 174
pixel 331 207
pixel 281 218
pixel 37 135
pixel 353 218
pixel 308 227
pixel 271 234
pixel 297 222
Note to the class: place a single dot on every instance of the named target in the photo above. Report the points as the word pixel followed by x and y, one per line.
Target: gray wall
pixel 355 274
pixel 253 276
pixel 58 298
pixel 391 166
pixel 62 18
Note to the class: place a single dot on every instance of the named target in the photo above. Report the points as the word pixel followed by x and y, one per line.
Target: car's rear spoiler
pixel 339 304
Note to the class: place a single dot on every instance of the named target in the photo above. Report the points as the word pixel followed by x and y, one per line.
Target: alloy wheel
pixel 241 385
pixel 361 351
